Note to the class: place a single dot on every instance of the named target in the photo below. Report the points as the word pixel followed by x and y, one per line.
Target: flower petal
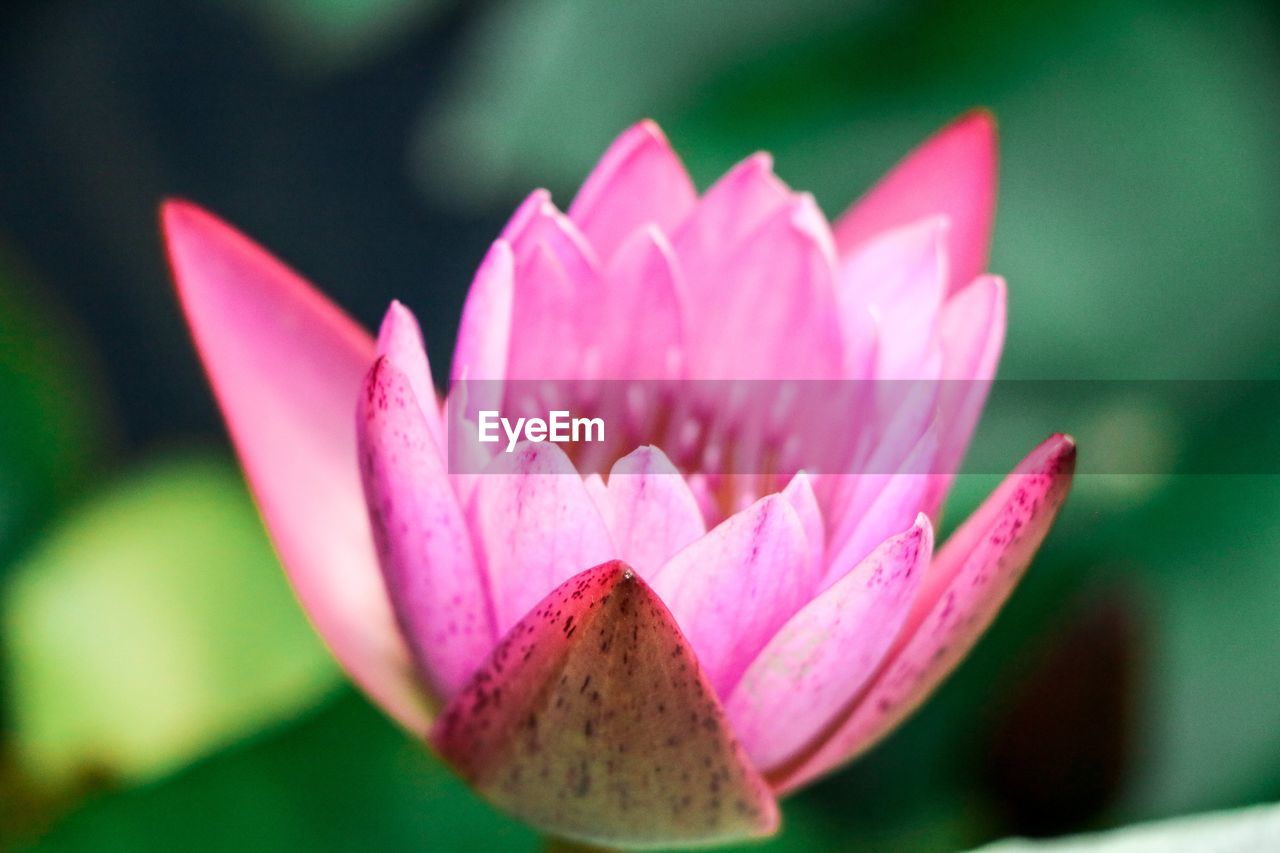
pixel 536 525
pixel 873 506
pixel 970 579
pixel 769 310
pixel 654 515
pixel 799 493
pixel 899 276
pixel 733 588
pixel 436 588
pixel 952 174
pixel 824 655
pixel 592 721
pixel 730 211
pixel 557 310
pixel 972 331
pixel 638 181
pixel 286 366
pixel 644 323
pixel 484 332
pixel 400 340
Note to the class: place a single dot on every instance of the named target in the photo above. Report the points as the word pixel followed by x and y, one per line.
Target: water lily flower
pixel 634 660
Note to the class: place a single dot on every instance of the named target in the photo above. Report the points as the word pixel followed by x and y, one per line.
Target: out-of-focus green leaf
pixel 52 419
pixel 327 35
pixel 1241 831
pixel 343 779
pixel 152 625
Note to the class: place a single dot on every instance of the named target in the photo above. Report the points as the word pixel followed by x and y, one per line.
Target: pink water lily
pixel 630 659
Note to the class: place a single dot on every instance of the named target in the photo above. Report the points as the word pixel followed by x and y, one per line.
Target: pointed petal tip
pixel 538 711
pixel 979 121
pixel 1056 456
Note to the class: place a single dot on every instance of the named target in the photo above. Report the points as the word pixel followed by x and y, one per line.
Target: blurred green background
pixel 161 691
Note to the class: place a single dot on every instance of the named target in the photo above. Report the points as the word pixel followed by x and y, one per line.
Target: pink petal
pixel 732 589
pixel 824 655
pixel 770 313
pixel 538 222
pixel 436 589
pixel 799 493
pixel 899 276
pixel 485 330
pixel 879 505
pixel 536 526
pixel 654 514
pixel 400 340
pixel 952 174
pixel 733 208
pixel 592 721
pixel 639 181
pixel 970 579
pixel 972 331
pixel 286 366
pixel 557 312
pixel 644 311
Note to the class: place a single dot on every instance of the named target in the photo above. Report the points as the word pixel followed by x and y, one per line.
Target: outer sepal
pixel 593 721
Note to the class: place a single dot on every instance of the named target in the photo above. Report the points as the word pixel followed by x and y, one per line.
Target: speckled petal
pixel 286 366
pixel 438 594
pixel 824 655
pixel 535 525
pixel 400 340
pixel 733 588
pixel 593 721
pixel 967 583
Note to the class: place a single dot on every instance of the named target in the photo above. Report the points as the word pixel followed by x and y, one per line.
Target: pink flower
pixel 635 660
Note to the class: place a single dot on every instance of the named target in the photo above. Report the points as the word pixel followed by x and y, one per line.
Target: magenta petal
pixel 436 589
pixel 536 525
pixel 652 512
pixel 400 340
pixel 733 588
pixel 639 181
pixel 592 721
pixel 952 174
pixel 286 367
pixel 966 585
pixel 824 654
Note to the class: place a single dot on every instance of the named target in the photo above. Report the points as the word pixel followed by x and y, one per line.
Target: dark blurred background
pixel 161 689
